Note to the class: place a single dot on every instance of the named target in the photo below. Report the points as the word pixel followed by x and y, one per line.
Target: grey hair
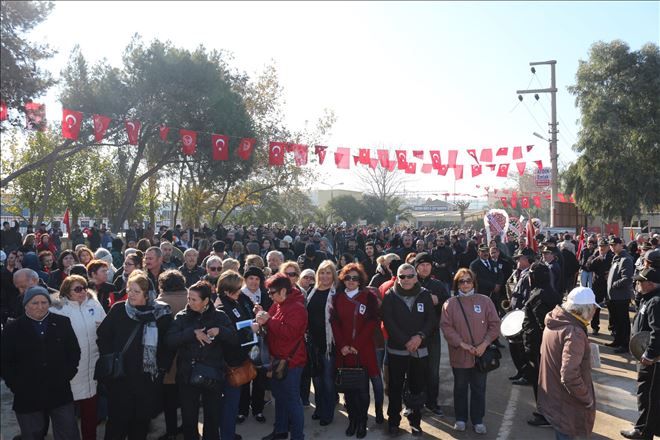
pixel 278 253
pixel 405 267
pixel 190 251
pixel 212 259
pixel 156 250
pixel 130 251
pixel 585 311
pixel 29 273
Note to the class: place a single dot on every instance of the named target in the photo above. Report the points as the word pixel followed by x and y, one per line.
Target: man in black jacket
pixel 489 278
pixel 40 355
pixel 409 317
pixel 599 264
pixel 619 293
pixel 648 379
pixel 444 259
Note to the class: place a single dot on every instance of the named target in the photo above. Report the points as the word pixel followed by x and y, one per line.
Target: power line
pixel 560 118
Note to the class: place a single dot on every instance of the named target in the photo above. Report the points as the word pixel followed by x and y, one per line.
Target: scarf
pixel 329 338
pixel 148 315
pixel 470 293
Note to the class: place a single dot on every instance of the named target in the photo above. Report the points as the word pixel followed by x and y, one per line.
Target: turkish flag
pixel 502 151
pixel 411 168
pixel 562 198
pixel 384 158
pixel 514 199
pixel 342 158
pixel 373 163
pixel 419 154
pixel 3 110
pixel 401 159
pixel 427 168
pixel 531 234
pixel 133 130
pixel 458 172
pixel 220 144
pixel 524 202
pixel 473 154
pixel 486 155
pixel 572 198
pixel 391 165
pixel 451 163
pixel 188 141
pixel 491 166
pixel 365 156
pixel 436 160
pixel 71 122
pixel 537 201
pixel 320 152
pixel 503 170
pixel 548 196
pixel 521 167
pixel 101 124
pixel 504 201
pixel 163 131
pixel 300 154
pixel 35 116
pixel 529 148
pixel 245 148
pixel 276 152
pixel 356 159
pixel 442 170
pixel 476 170
pixel 539 164
pixel 517 153
pixel 66 221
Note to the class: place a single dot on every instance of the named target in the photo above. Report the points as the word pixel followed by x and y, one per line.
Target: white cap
pixel 288 239
pixel 582 295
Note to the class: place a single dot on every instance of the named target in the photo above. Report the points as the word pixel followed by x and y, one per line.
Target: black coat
pixel 600 265
pixel 444 267
pixel 192 276
pixel 240 310
pixel 402 323
pixel 648 319
pixel 542 300
pixel 486 278
pixel 181 337
pixel 38 370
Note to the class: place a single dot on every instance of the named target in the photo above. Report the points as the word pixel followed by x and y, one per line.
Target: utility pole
pixel 554 188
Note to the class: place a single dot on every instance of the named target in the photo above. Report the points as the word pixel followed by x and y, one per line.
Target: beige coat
pixel 177 301
pixel 566 393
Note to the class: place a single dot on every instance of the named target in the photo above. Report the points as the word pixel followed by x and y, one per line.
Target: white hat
pixel 288 239
pixel 582 295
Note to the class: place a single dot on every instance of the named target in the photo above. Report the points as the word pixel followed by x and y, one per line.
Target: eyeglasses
pixel 409 276
pixel 291 274
pixel 351 278
pixel 308 277
pixel 78 289
pixel 272 292
pixel 214 269
pixel 465 281
pixel 127 263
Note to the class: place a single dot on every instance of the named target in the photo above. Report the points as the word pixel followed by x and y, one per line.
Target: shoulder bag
pixel 490 359
pixel 244 373
pixel 349 379
pixel 280 367
pixel 111 365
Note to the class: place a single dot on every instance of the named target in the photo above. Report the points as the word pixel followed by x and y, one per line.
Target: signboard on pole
pixel 542 177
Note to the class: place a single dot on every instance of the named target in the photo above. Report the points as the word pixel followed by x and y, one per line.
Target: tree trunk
pixel 47 188
pixel 178 196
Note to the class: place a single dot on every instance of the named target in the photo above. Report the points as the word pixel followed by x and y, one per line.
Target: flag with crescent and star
pixel 503 170
pixel 476 170
pixel 245 148
pixel 101 124
pixel 436 161
pixel 502 151
pixel 401 159
pixel 71 122
pixel 133 130
pixel 163 131
pixel 220 144
pixel 35 116
pixel 276 152
pixel 365 156
pixel 188 141
pixel 320 151
pixel 299 154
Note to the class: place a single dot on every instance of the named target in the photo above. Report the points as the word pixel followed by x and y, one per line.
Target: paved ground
pixel 507 407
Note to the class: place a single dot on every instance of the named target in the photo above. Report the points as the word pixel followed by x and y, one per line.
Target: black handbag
pixel 314 367
pixel 111 365
pixel 205 376
pixel 349 379
pixel 280 367
pixel 490 359
pixel 413 400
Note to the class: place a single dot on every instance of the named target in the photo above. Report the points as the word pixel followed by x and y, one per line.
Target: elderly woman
pixel 292 270
pixel 64 263
pixel 383 271
pixel 105 255
pixel 566 392
pixel 285 324
pixel 470 324
pixel 213 270
pixel 78 304
pixel 134 398
pixel 354 320
pixel 199 334
pixel 306 281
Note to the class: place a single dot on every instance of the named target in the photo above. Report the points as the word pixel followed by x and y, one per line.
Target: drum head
pixel 638 343
pixel 512 323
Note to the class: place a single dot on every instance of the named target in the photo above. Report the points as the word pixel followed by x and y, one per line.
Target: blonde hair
pixel 327 265
pixel 287 264
pixel 230 264
pixel 140 278
pixel 387 258
pixel 229 282
pixel 253 261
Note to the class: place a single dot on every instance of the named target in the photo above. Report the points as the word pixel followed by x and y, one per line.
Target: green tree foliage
pixel 346 207
pixel 618 93
pixel 20 77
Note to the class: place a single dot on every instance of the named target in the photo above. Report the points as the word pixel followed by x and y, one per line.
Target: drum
pixel 639 343
pixel 511 326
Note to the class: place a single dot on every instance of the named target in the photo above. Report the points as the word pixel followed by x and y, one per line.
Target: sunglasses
pixel 308 277
pixel 465 281
pixel 351 278
pixel 409 276
pixel 214 269
pixel 291 274
pixel 272 292
pixel 78 289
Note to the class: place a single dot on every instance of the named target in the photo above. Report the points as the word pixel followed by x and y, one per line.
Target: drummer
pixel 519 295
pixel 648 376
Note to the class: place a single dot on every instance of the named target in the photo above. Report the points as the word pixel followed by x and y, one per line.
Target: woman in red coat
pixel 354 319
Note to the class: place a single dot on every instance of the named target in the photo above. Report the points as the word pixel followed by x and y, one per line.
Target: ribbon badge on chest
pixel 362 309
pixel 237 313
pixel 420 307
pixel 477 308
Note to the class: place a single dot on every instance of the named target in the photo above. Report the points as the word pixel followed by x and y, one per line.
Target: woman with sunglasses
pixel 354 320
pixel 466 343
pixel 78 303
pixel 213 268
pixel 132 262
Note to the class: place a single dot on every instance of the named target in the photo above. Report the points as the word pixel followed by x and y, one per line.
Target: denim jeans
pixel 586 278
pixel 379 391
pixel 475 381
pixel 229 403
pixel 288 405
pixel 560 436
pixel 324 388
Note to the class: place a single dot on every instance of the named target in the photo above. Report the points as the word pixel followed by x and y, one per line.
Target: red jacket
pixel 353 323
pixel 286 330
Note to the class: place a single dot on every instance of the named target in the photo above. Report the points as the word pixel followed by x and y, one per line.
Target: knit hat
pixel 34 291
pixel 256 272
pixel 423 257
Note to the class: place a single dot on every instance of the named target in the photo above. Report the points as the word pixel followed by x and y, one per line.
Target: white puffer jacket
pixel 84 318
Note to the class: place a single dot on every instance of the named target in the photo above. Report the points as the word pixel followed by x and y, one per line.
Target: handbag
pixel 490 359
pixel 313 367
pixel 280 367
pixel 413 400
pixel 111 365
pixel 204 376
pixel 244 373
pixel 259 353
pixel 349 379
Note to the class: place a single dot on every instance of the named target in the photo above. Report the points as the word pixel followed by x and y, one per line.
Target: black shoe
pixel 276 436
pixel 635 433
pixel 595 332
pixel 325 422
pixel 416 431
pixel 521 381
pixel 621 350
pixel 165 436
pixel 379 416
pixel 352 427
pixel 361 430
pixel 516 377
pixel 435 409
pixel 393 431
pixel 611 344
pixel 538 421
pixel 315 416
pixel 238 437
pixel 240 418
pixel 260 418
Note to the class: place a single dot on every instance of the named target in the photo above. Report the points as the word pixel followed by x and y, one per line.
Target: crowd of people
pixel 125 327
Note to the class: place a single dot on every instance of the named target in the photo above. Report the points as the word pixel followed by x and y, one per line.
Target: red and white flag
pixel 503 170
pixel 531 234
pixel 476 170
pixel 486 155
pixel 35 116
pixel 220 146
pixel 320 151
pixel 384 158
pixel 401 159
pixel 504 201
pixel 364 156
pixel 524 202
pixel 442 170
pixel 71 122
pixel 299 154
pixel 473 154
pixel 537 201
pixel 503 151
pixel 245 148
pixel 373 163
pixel 458 172
pixel 163 131
pixel 436 159
pixel 101 124
pixel 276 152
pixel 521 167
pixel 451 162
pixel 66 221
pixel 427 168
pixel 517 153
pixel 133 131
pixel 343 158
pixel 580 243
pixel 539 164
pixel 514 200
pixel 529 148
pixel 188 141
pixel 419 154
pixel 3 110
pixel 411 168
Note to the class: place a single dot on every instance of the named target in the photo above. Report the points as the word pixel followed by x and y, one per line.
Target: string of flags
pixel 475 162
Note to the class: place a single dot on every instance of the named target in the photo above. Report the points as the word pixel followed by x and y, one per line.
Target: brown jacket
pixel 484 324
pixel 177 301
pixel 566 393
